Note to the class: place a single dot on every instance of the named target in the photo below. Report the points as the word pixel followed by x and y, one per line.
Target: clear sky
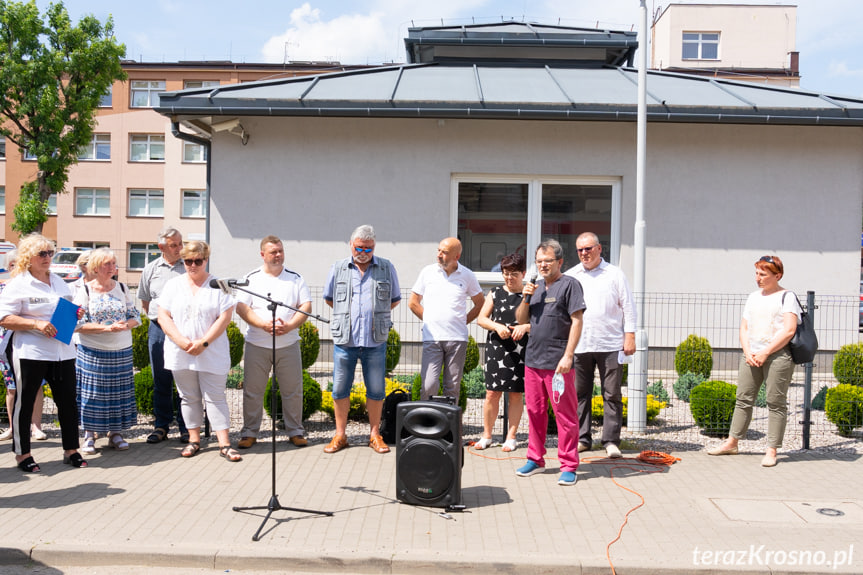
pixel 829 32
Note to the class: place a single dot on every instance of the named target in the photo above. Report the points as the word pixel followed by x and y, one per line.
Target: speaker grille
pixel 427 469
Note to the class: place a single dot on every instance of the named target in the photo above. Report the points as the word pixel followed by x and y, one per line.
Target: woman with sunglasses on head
pixel 27 305
pixel 768 324
pixel 194 317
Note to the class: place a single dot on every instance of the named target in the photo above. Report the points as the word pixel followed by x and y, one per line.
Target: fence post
pixel 807 380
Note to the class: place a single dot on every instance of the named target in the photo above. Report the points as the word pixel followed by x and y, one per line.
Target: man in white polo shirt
pixel 439 298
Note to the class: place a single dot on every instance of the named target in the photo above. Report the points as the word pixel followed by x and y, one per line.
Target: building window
pixel 701 45
pixel 194 203
pixel 146 148
pixel 500 216
pixel 107 100
pixel 2 147
pixel 144 203
pixel 142 254
pixel 145 93
pixel 98 148
pixel 91 245
pixel 2 199
pixel 92 202
pixel 29 156
pixel 200 84
pixel 52 205
pixel 194 153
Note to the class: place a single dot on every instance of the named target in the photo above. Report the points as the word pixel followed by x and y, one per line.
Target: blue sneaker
pixel 567 478
pixel 529 469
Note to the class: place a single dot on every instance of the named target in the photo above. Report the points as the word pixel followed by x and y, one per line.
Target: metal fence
pixel 669 319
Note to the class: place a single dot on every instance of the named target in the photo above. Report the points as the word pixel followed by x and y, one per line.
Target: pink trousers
pixel 537 393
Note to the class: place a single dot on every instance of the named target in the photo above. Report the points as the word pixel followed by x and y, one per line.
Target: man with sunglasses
pixel 608 331
pixel 362 290
pixel 153 279
pixel 286 286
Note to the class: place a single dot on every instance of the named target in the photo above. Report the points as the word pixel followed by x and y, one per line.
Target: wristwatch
pixel 206 344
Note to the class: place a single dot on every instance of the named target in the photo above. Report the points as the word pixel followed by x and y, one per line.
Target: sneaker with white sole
pixel 567 478
pixel 612 451
pixel 38 434
pixel 529 469
pixel 89 447
pixel 6 434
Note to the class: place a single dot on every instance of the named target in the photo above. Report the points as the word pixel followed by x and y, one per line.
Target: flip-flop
pixel 29 466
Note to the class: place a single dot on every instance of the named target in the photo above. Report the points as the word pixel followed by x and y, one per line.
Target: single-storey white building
pixel 503 135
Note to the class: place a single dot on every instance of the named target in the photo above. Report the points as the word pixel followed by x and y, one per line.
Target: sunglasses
pixel 767 259
pixel 198 262
pixel 585 250
pixel 46 254
pixel 364 250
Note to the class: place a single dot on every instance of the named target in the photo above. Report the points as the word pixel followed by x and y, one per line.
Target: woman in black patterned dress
pixel 504 351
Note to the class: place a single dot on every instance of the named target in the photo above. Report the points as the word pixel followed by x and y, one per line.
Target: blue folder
pixel 65 319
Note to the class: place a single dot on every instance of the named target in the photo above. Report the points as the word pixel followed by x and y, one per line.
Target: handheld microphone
pixel 227 284
pixel 532 280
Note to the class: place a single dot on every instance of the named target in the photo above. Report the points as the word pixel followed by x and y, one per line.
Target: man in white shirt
pixel 439 298
pixel 609 328
pixel 283 285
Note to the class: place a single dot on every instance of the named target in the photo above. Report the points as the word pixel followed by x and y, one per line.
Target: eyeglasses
pixel 46 254
pixel 198 262
pixel 585 250
pixel 364 250
pixel 545 262
pixel 511 274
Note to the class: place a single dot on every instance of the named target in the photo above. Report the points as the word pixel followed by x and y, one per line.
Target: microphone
pixel 227 284
pixel 532 280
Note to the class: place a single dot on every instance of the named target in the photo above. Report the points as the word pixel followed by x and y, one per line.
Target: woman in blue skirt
pixel 106 384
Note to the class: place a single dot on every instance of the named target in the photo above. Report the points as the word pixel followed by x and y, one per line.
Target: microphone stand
pixel 274 504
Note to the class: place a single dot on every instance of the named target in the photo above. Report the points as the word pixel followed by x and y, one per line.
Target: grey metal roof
pixel 550 93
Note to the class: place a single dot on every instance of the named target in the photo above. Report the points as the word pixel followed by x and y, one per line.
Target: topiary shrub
pixel 844 407
pixel 761 398
pixel 848 364
pixel 394 350
pixel 657 390
pixel 712 405
pixel 236 342
pixel 597 408
pixel 471 356
pixel 694 355
pixel 685 384
pixel 235 378
pixel 140 346
pixel 310 344
pixel 416 390
pixel 820 399
pixel 312 396
pixel 474 383
pixel 357 410
pixel 144 391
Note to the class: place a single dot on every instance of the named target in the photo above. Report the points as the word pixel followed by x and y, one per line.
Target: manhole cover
pixel 830 512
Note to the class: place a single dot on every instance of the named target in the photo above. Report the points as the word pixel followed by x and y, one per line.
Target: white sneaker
pixel 38 434
pixel 6 435
pixel 612 451
pixel 89 445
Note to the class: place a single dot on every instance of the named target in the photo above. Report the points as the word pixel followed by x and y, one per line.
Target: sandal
pixel 509 445
pixel 75 460
pixel 191 449
pixel 28 465
pixel 483 443
pixel 158 435
pixel 230 453
pixel 89 445
pixel 116 441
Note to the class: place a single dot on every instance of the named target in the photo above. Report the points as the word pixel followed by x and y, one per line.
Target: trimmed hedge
pixel 394 350
pixel 686 383
pixel 236 341
pixel 712 406
pixel 312 397
pixel 597 408
pixel 140 347
pixel 848 364
pixel 310 344
pixel 144 391
pixel 844 407
pixel 694 355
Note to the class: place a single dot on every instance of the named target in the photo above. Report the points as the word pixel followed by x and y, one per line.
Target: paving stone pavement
pixel 147 507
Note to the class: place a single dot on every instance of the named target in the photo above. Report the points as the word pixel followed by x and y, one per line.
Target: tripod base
pixel 274 505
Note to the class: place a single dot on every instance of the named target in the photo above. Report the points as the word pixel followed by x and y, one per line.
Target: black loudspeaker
pixel 429 454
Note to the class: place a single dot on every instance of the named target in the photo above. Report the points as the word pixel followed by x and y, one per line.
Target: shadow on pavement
pixel 16 557
pixel 59 497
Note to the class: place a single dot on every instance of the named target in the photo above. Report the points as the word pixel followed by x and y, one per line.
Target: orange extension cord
pixel 654 460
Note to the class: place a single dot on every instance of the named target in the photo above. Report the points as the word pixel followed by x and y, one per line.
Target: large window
pixel 99 148
pixel 146 203
pixel 498 216
pixel 145 93
pixel 147 148
pixel 2 199
pixel 142 254
pixel 92 202
pixel 701 45
pixel 107 99
pixel 2 147
pixel 194 203
pixel 194 153
pixel 200 84
pixel 52 205
pixel 91 245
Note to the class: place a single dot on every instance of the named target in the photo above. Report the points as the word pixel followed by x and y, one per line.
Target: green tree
pixel 52 76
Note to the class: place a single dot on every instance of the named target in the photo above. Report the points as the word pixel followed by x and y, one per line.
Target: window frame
pixel 187 145
pixel 534 212
pixel 2 199
pixel 49 210
pixel 160 192
pixel 147 250
pixel 107 99
pixel 93 146
pixel 149 144
pixel 700 43
pixel 202 200
pixel 204 84
pixel 151 91
pixel 95 194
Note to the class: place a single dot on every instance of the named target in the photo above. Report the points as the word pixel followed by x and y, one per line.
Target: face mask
pixel 557 387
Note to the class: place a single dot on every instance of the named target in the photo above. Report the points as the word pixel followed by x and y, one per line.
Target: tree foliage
pixel 53 74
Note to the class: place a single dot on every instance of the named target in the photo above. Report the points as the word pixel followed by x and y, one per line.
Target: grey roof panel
pixel 437 84
pixel 517 85
pixel 606 87
pixel 377 87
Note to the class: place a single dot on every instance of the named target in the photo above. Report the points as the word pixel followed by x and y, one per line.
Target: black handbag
pixel 804 344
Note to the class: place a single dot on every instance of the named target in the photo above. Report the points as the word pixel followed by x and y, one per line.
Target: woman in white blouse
pixel 770 318
pixel 194 317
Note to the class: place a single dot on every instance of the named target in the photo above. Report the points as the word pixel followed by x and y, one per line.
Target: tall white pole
pixel 637 380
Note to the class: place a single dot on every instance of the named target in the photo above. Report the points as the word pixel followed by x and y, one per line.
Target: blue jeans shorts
pixel 374 364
